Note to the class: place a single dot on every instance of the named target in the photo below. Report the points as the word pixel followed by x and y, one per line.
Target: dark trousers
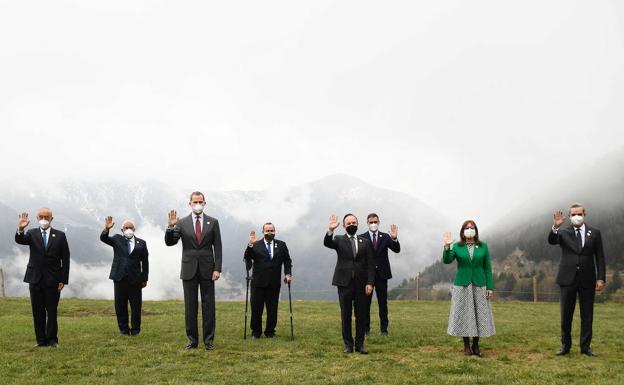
pixel 567 301
pixel 124 293
pixel 261 297
pixel 44 301
pixel 381 290
pixel 353 297
pixel 207 292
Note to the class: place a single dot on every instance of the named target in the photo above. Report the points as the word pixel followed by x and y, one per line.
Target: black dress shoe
pixel 467 351
pixel 384 334
pixel 124 332
pixel 348 349
pixel 190 345
pixel 209 346
pixel 135 333
pixel 563 352
pixel 53 344
pixel 589 353
pixel 270 335
pixel 361 350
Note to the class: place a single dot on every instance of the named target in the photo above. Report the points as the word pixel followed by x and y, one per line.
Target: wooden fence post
pixel 534 289
pixel 418 286
pixel 1 283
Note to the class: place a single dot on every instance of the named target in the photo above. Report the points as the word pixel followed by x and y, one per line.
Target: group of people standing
pixel 362 266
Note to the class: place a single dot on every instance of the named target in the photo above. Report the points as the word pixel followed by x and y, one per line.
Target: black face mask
pixel 351 229
pixel 269 237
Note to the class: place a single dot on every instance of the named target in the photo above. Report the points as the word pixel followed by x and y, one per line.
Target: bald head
pixel 44 213
pixel 127 224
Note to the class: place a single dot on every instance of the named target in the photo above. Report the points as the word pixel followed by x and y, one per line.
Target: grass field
pixel 418 350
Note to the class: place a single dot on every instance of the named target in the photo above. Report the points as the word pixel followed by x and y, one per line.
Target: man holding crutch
pixel 266 256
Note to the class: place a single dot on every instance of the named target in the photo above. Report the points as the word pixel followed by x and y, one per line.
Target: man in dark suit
pixel 129 273
pixel 381 243
pixel 582 261
pixel 266 256
pixel 47 273
pixel 201 266
pixel 354 275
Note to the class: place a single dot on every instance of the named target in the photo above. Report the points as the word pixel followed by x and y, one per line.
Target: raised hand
pixel 394 231
pixel 333 222
pixel 23 221
pixel 558 219
pixel 252 237
pixel 108 223
pixel 448 239
pixel 172 218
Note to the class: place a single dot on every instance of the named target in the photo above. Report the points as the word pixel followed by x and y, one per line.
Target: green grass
pixel 418 350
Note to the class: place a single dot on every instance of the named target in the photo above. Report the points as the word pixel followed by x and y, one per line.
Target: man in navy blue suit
pixel 47 273
pixel 381 243
pixel 129 273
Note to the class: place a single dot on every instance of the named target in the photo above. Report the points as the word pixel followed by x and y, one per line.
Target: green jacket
pixel 478 271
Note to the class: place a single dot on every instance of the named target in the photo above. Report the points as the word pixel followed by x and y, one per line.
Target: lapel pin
pixel 207 223
pixel 275 245
pixel 53 235
pixel 360 241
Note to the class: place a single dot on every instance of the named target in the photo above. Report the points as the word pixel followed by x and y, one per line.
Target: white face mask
pixel 373 226
pixel 577 220
pixel 44 223
pixel 198 208
pixel 470 233
pixel 128 233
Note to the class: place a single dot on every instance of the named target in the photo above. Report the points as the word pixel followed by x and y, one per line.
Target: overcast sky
pixel 469 106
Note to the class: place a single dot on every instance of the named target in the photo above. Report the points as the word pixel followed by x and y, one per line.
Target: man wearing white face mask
pixel 47 273
pixel 581 270
pixel 201 266
pixel 382 242
pixel 129 272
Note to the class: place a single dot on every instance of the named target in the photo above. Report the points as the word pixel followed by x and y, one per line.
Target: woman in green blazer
pixel 471 312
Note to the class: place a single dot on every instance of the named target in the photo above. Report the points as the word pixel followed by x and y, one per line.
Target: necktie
pixel 129 247
pixel 268 247
pixel 353 247
pixel 375 240
pixel 45 239
pixel 197 229
pixel 579 239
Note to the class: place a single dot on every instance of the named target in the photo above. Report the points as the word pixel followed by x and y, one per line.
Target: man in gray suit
pixel 201 266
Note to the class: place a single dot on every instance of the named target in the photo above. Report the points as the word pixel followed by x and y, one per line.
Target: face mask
pixel 269 236
pixel 44 223
pixel 470 233
pixel 351 229
pixel 128 233
pixel 198 208
pixel 577 220
pixel 373 227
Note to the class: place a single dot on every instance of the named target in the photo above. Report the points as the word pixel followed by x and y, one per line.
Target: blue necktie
pixel 129 247
pixel 268 247
pixel 45 240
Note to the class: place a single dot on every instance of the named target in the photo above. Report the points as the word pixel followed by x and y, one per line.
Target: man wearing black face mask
pixel 266 256
pixel 354 276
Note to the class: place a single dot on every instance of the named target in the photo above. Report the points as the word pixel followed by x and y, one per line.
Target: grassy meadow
pixel 418 350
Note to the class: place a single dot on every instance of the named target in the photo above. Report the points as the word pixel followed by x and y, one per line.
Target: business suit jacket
pixel 203 256
pixel 266 271
pixel 384 242
pixel 477 271
pixel 361 269
pixel 136 263
pixel 48 266
pixel 589 260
